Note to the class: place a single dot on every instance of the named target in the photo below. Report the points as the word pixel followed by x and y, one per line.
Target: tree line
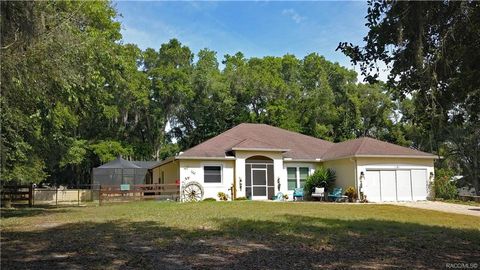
pixel 75 96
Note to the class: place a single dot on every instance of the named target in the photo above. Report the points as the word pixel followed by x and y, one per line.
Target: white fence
pixel 64 196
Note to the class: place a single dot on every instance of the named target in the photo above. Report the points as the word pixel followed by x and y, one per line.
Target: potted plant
pixel 222 196
pixel 351 193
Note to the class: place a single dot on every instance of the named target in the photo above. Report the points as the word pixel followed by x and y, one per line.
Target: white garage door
pixel 388 192
pixel 371 186
pixel 404 185
pixel 419 184
pixel 395 185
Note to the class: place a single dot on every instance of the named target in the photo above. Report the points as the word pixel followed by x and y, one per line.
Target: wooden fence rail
pixel 27 193
pixel 138 192
pixel 469 198
pixel 15 193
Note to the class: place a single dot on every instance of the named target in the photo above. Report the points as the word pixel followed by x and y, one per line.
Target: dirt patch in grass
pixel 278 240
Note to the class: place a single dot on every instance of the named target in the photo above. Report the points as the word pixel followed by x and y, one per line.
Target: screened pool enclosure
pixel 121 171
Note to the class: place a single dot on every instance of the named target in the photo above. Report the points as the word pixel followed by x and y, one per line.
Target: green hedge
pixel 443 187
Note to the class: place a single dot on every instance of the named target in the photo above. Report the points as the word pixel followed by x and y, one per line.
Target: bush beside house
pixel 443 187
pixel 322 177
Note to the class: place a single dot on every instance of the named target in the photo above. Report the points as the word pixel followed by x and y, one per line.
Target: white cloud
pixel 290 12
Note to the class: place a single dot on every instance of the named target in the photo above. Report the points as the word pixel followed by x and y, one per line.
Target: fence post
pixel 30 195
pixel 99 194
pixel 78 195
pixel 56 195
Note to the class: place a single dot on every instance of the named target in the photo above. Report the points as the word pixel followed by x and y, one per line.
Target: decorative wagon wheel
pixel 192 192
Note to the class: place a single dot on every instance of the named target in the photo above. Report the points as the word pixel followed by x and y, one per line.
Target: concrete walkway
pixel 444 207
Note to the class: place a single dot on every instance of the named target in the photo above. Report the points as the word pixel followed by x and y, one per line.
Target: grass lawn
pixel 240 235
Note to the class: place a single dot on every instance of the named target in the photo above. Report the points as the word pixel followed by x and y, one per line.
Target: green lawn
pixel 245 235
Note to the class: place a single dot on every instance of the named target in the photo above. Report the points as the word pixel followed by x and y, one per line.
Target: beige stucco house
pixel 258 161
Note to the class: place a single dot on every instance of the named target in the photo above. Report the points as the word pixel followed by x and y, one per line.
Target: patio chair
pixel 297 193
pixel 278 197
pixel 319 193
pixel 337 195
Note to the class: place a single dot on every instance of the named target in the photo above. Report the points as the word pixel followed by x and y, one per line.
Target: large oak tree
pixel 432 50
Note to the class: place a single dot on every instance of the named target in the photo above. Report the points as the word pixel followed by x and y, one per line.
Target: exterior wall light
pixel 240 183
pixel 278 183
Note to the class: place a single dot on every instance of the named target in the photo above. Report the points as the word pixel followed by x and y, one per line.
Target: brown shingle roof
pixel 250 143
pixel 366 146
pixel 261 136
pixel 299 146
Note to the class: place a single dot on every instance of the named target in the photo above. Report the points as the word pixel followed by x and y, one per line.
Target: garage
pixel 395 185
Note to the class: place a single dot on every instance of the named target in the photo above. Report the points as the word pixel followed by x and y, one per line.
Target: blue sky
pixel 255 28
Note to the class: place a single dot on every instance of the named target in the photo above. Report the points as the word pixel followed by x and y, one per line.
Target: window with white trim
pixel 296 177
pixel 212 174
pixel 292 178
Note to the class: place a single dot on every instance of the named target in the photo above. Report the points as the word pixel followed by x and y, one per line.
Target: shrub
pixel 443 187
pixel 241 199
pixel 222 196
pixel 322 177
pixel 209 200
pixel 351 193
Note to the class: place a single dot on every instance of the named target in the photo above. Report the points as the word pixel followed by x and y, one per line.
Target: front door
pixel 259 184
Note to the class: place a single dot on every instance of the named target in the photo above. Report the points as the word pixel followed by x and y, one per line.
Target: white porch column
pixel 279 175
pixel 240 176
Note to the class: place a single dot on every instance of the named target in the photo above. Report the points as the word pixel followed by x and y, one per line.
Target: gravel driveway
pixel 444 207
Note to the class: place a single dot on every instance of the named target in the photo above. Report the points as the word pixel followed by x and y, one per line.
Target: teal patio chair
pixel 278 197
pixel 297 193
pixel 337 195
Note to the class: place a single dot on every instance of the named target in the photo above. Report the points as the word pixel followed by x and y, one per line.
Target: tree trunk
pixel 476 185
pixel 475 176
